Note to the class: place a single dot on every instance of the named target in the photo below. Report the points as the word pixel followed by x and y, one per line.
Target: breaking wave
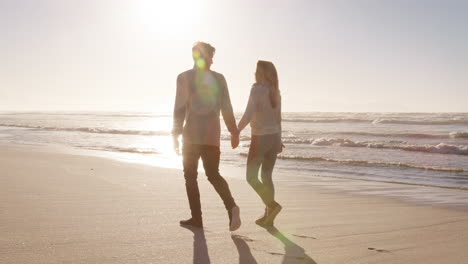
pixel 440 148
pixel 459 134
pixel 376 121
pixel 122 149
pixel 405 135
pixel 96 130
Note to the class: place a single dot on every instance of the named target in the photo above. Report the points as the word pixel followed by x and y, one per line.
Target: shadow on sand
pixel 200 250
pixel 292 252
pixel 245 255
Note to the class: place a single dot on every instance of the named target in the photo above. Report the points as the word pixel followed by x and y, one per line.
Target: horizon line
pixel 235 112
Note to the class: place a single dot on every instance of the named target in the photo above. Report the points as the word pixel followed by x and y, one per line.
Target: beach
pixel 63 208
pixel 353 113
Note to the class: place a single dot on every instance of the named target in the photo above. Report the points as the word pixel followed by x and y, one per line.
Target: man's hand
pixel 234 140
pixel 175 140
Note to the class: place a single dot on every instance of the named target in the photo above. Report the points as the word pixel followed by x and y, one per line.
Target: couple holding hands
pixel 201 95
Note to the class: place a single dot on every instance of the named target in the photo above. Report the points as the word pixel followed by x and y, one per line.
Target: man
pixel 201 95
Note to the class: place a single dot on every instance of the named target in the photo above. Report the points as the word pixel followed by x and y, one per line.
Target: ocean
pixel 426 149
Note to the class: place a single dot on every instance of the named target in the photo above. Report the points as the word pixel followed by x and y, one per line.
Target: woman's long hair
pixel 266 73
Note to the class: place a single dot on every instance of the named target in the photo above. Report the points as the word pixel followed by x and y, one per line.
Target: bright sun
pixel 167 16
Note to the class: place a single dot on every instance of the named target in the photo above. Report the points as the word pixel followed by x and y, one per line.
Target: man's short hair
pixel 203 49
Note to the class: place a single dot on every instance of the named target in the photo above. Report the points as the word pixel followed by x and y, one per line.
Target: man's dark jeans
pixel 210 157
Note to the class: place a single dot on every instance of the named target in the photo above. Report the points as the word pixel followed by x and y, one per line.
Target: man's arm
pixel 226 108
pixel 180 108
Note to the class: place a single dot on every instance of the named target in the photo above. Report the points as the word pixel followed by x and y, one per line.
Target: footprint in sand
pixel 289 257
pixel 247 239
pixel 383 250
pixel 379 250
pixel 304 236
pixel 275 254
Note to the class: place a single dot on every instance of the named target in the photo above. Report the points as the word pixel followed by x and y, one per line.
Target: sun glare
pixel 167 16
pixel 155 147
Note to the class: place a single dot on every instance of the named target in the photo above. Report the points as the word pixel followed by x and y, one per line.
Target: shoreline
pixel 418 194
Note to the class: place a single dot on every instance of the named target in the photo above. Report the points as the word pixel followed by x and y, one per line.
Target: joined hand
pixel 235 140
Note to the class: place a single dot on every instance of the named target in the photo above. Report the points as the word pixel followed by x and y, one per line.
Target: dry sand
pixel 60 208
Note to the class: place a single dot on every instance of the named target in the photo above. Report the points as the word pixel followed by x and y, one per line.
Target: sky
pixel 331 56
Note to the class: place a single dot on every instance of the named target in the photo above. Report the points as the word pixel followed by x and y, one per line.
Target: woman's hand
pixel 235 140
pixel 281 148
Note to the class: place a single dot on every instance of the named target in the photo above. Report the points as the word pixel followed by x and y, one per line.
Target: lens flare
pixel 196 54
pixel 200 62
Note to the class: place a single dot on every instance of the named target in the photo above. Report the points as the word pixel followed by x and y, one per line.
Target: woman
pixel 264 115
